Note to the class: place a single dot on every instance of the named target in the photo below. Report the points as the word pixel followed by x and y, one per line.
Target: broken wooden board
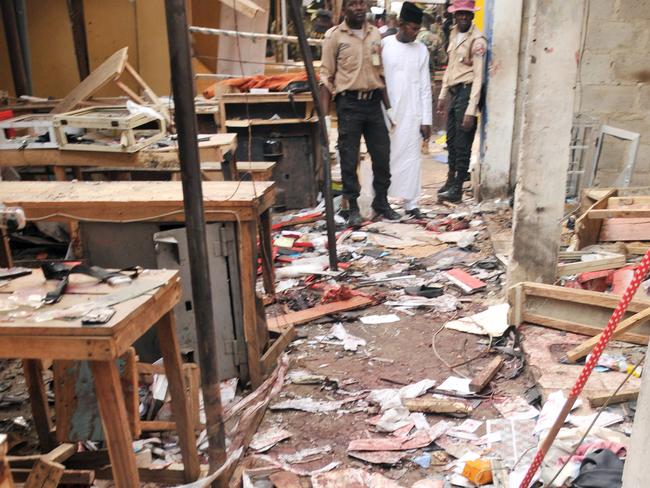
pixel 108 71
pixel 626 325
pixel 596 400
pixel 578 311
pixel 282 323
pixel 481 380
pixel 587 230
pixel 45 474
pixel 613 261
pixel 438 405
pixel 463 280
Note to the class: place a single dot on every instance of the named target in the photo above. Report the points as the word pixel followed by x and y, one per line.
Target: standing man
pixel 351 73
pixel 433 42
pixel 463 79
pixel 408 78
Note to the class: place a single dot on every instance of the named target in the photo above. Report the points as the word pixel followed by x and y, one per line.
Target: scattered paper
pixel 304 455
pixel 393 419
pixel 604 420
pixel 516 408
pixel 350 342
pixel 263 441
pixel 492 322
pixel 379 319
pixel 551 410
pixel 456 385
pixel 311 405
pixel 462 238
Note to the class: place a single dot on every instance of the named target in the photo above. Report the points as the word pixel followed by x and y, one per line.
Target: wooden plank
pixel 103 74
pixel 611 213
pixel 481 380
pixel 587 230
pixel 152 45
pixel 624 326
pixel 576 328
pixel 270 357
pixel 115 423
pixel 637 248
pixel 33 370
pixel 625 229
pixel 613 262
pixel 45 474
pixel 621 397
pixel 180 404
pixel 127 200
pixel 30 347
pixel 281 323
pixel 69 476
pixel 245 7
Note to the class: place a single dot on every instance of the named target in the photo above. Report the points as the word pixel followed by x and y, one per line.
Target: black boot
pixel 381 206
pixel 451 175
pixel 455 192
pixel 354 216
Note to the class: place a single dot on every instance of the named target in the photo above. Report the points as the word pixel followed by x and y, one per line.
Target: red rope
pixel 639 275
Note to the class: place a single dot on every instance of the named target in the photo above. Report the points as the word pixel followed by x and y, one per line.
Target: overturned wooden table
pixel 146 302
pixel 246 203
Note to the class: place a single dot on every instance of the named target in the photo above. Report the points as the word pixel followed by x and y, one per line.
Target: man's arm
pixel 327 73
pixel 440 107
pixel 478 65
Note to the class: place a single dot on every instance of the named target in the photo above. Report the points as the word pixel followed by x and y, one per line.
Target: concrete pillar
pixel 504 33
pixel 551 67
pixel 635 473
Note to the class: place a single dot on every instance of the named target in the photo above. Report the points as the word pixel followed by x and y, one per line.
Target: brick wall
pixel 614 81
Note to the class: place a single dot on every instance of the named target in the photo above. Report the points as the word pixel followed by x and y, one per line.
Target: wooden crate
pixel 112 124
pixel 28 128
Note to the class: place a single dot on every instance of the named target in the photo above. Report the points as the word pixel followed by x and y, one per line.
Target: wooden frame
pixel 571 310
pixel 607 261
pixel 113 119
pixel 35 122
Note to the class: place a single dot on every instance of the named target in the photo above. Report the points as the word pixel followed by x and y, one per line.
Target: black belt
pixel 361 95
pixel 459 86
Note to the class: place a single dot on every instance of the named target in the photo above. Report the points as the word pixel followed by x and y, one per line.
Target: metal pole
pixel 208 31
pixel 186 126
pixel 296 15
pixel 21 85
pixel 285 30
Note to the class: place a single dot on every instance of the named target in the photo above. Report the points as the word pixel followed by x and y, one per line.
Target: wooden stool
pixel 146 302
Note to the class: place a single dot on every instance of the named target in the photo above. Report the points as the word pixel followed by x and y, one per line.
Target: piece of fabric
pixel 357 118
pixel 350 63
pixel 459 141
pixel 600 469
pixel 466 65
pixel 408 82
pixel 410 13
pixel 272 82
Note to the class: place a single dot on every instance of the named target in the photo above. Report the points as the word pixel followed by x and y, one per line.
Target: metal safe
pixel 163 246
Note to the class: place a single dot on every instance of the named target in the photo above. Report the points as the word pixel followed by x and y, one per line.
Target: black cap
pixel 411 13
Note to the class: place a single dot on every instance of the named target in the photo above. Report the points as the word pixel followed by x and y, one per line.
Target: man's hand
pixel 469 121
pixel 425 130
pixel 440 107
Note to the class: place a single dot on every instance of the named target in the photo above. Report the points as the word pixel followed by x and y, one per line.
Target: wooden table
pixel 247 203
pixel 152 297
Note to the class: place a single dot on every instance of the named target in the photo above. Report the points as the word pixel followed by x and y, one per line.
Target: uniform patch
pixel 479 50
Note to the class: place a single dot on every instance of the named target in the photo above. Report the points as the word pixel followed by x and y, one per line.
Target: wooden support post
pixel 33 370
pixel 16 60
pixel 635 473
pixel 76 14
pixel 115 423
pixel 6 260
pixel 550 67
pixel 180 398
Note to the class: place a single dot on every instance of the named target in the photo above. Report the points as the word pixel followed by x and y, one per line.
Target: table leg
pixel 75 237
pixel 266 245
pixel 33 370
pixel 248 270
pixel 115 422
pixel 180 397
pixel 6 259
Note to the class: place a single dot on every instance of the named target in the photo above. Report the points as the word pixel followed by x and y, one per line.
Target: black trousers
pixel 459 141
pixel 357 118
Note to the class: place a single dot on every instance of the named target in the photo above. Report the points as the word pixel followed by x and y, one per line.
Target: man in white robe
pixel 408 81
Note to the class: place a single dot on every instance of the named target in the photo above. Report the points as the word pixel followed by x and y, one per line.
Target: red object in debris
pixel 595 280
pixel 621 279
pixel 6 115
pixel 465 281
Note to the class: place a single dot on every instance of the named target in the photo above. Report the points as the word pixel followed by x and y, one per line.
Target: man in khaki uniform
pixel 351 73
pixel 463 80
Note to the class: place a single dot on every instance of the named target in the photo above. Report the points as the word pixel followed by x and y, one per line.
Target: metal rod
pixel 251 35
pixel 285 29
pixel 18 73
pixel 77 20
pixel 186 126
pixel 21 19
pixel 296 15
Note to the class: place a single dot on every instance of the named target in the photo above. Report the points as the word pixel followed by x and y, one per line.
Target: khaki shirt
pixel 466 67
pixel 350 63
